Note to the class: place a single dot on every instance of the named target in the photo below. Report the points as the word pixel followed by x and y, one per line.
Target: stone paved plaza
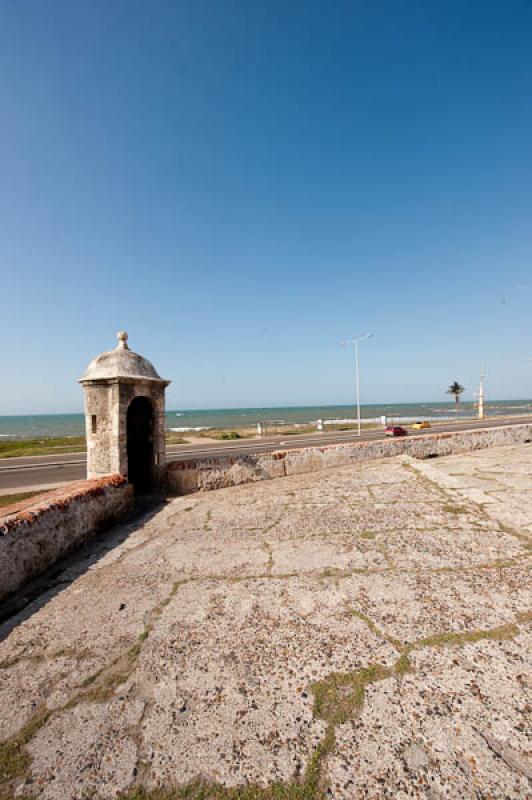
pixel 355 633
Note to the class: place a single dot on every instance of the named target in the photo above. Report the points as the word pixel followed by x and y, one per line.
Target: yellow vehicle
pixel 420 425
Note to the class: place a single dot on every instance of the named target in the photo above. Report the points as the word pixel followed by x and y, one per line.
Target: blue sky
pixel 241 185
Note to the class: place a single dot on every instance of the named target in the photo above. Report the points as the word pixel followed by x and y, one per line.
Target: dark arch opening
pixel 140 444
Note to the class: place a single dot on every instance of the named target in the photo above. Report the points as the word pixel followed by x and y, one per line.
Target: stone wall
pixel 184 477
pixel 102 452
pixel 38 531
pixel 108 402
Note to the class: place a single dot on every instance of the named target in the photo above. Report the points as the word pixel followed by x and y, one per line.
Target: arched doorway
pixel 140 443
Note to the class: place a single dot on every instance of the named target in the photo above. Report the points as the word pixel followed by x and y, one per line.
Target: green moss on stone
pixel 341 695
pixel 310 787
pixel 14 758
pixel 502 633
pixel 402 665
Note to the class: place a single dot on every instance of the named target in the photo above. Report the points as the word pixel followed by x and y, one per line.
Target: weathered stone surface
pixel 185 477
pixel 38 531
pixel 245 714
pixel 361 633
pixel 458 726
pixel 500 482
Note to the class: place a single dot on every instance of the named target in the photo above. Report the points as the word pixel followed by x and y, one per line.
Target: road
pixel 44 472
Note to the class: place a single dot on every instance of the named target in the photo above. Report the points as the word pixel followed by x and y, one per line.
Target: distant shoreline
pixel 465 404
pixel 31 426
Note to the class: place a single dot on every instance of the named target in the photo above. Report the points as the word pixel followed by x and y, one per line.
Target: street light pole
pixel 357 386
pixel 355 342
pixel 481 394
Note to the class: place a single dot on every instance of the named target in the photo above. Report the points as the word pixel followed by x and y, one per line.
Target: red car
pixel 395 430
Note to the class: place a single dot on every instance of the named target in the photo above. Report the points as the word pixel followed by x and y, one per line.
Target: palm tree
pixel 456 389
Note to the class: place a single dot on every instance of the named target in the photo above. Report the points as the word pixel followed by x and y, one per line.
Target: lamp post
pixel 481 394
pixel 355 343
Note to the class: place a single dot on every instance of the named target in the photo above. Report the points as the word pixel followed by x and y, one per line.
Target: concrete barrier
pixel 38 531
pixel 184 477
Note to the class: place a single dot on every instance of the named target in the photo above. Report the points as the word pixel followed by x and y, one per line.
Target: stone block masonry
pixel 40 530
pixel 185 477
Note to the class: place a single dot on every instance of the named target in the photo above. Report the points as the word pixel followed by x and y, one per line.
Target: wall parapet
pixel 36 532
pixel 203 474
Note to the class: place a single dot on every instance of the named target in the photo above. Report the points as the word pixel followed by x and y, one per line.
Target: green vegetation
pixel 10 499
pixel 172 437
pixel 76 444
pixel 381 634
pixel 107 679
pixel 337 698
pixel 37 447
pixel 105 688
pixel 200 790
pixel 450 508
pixel 311 786
pixel 403 665
pixel 90 679
pixel 16 448
pixel 341 694
pixel 14 758
pixel 297 431
pixel 456 390
pixel 500 634
pixel 458 639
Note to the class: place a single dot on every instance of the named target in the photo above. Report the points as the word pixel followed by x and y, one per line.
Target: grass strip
pixel 11 499
pixel 310 787
pixel 45 446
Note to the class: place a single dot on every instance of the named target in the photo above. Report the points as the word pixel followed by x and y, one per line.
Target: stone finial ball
pixel 122 338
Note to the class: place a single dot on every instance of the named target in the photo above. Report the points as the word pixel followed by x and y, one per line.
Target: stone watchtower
pixel 124 416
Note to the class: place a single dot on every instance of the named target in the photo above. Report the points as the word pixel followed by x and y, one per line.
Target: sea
pixel 183 420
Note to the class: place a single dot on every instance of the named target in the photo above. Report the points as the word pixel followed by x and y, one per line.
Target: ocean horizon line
pixel 203 409
pixel 28 426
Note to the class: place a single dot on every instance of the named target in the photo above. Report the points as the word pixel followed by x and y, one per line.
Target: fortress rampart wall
pixel 38 531
pixel 184 477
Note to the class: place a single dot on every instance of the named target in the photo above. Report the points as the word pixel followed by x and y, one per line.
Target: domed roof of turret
pixel 120 363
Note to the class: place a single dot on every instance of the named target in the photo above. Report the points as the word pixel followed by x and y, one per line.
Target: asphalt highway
pixel 44 472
